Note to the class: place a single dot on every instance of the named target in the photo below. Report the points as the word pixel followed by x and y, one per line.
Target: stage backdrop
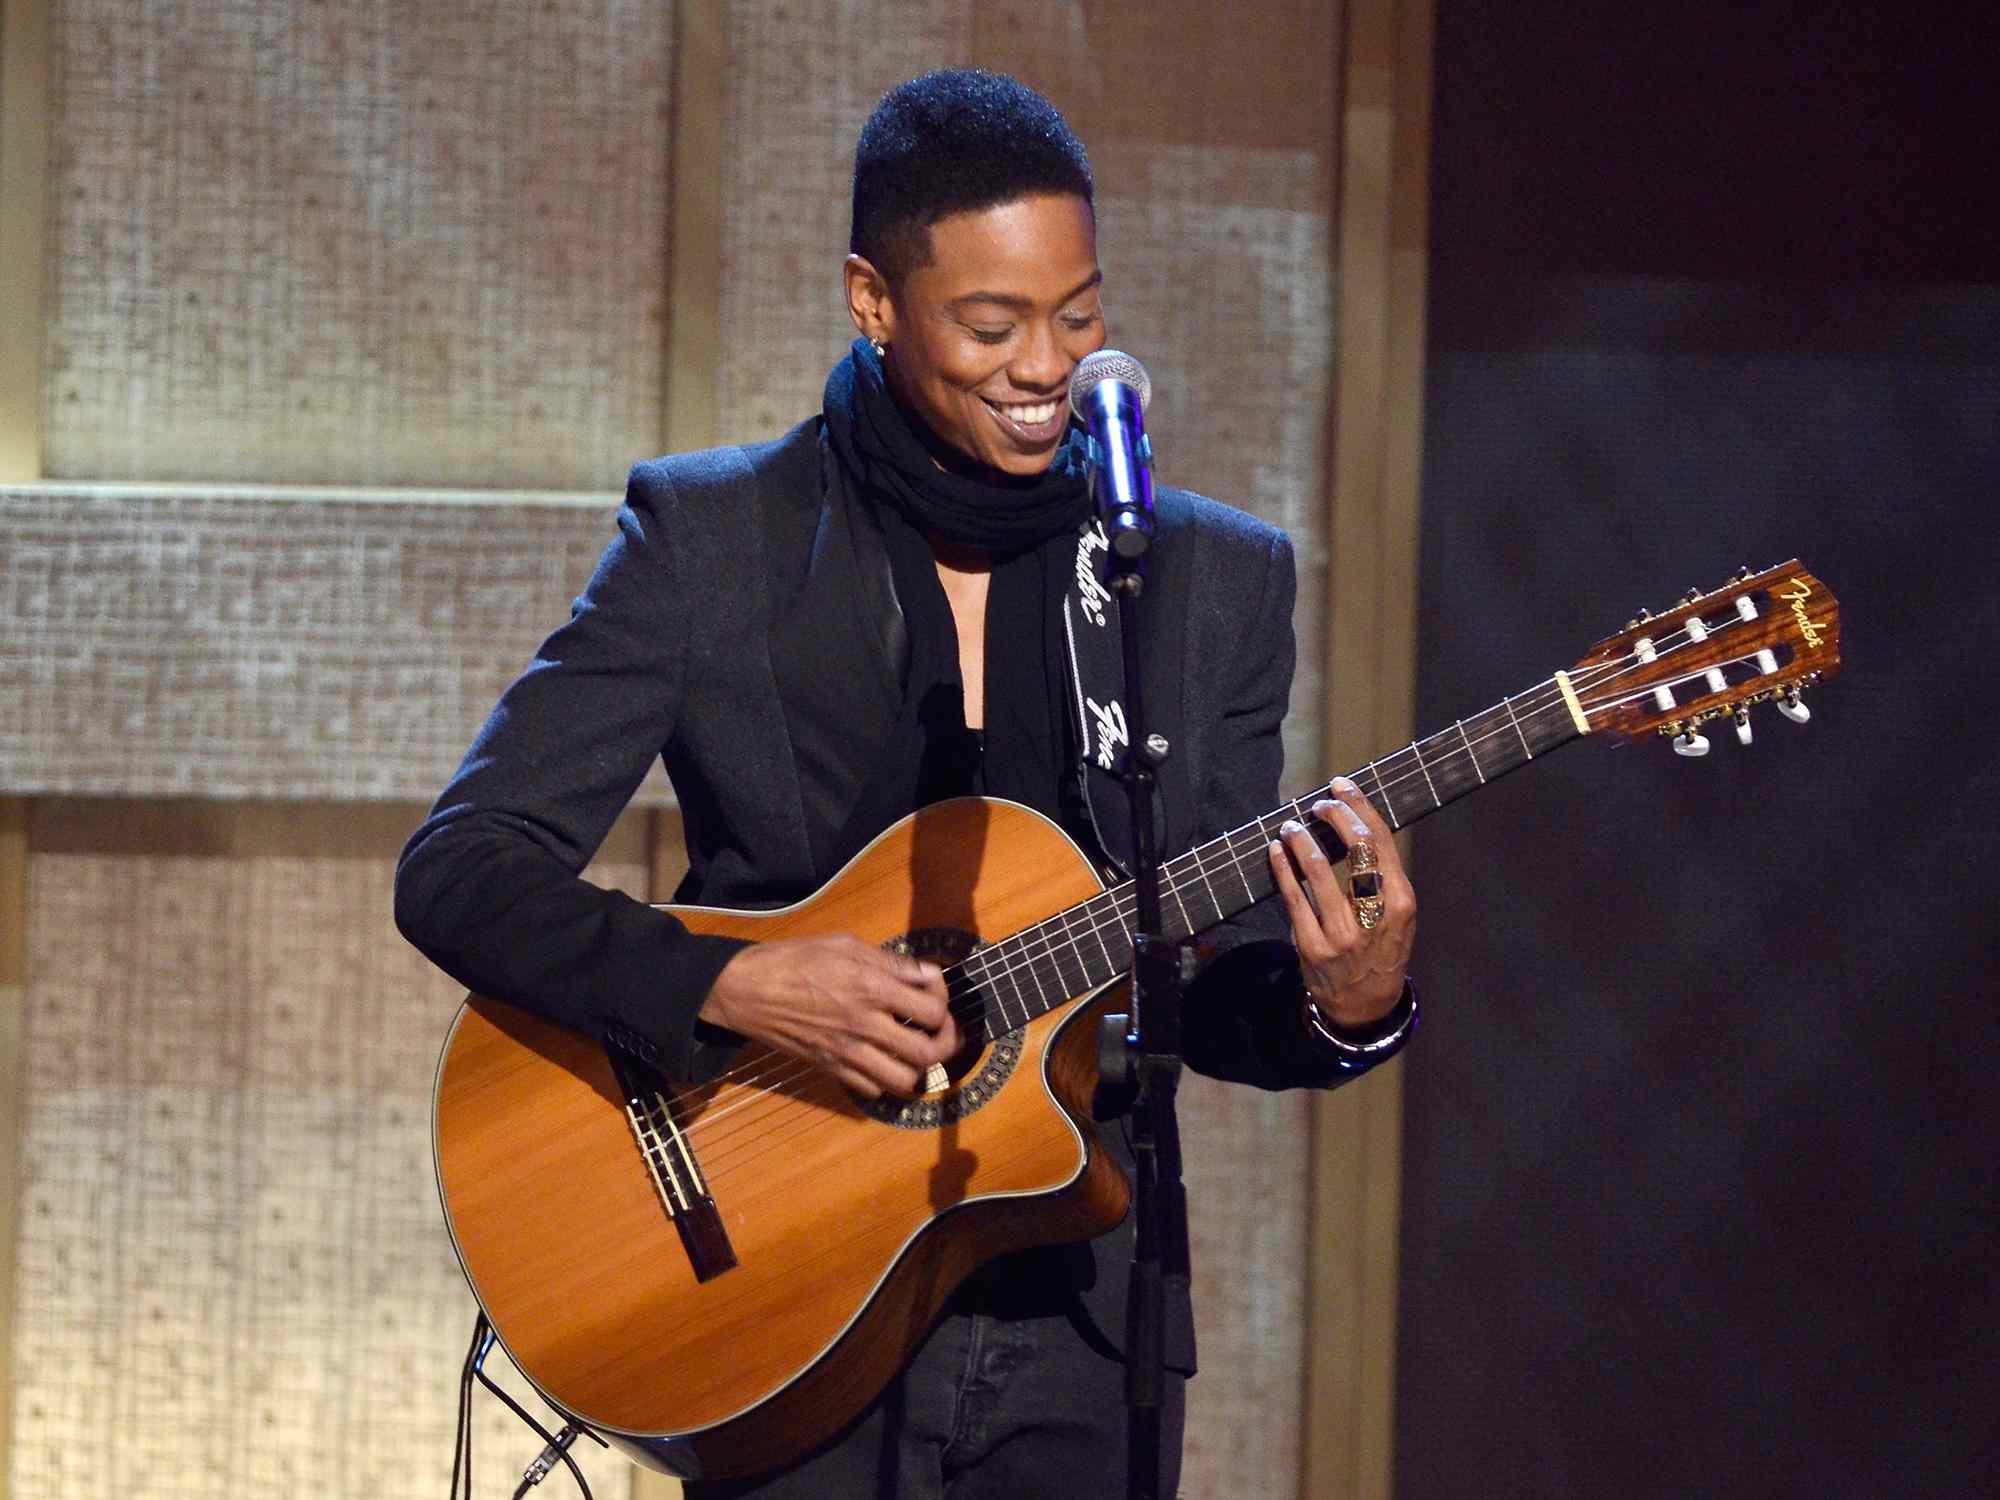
pixel 366 308
pixel 1700 1175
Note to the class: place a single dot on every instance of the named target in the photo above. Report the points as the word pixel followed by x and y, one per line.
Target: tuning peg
pixel 1690 743
pixel 1640 618
pixel 1690 596
pixel 1742 726
pixel 1741 573
pixel 1793 708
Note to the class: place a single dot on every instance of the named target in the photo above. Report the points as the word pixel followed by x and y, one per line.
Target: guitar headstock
pixel 1760 637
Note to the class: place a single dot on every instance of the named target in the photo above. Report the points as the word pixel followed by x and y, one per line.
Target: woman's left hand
pixel 1353 950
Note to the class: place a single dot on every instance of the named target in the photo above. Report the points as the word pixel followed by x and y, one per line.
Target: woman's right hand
pixel 874 1020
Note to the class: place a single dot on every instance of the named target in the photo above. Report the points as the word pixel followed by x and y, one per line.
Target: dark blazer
pixel 668 653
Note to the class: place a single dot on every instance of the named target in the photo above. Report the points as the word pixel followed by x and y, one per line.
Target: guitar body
pixel 849 1227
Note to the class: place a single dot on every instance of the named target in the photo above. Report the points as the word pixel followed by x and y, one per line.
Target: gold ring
pixel 1361 857
pixel 1367 911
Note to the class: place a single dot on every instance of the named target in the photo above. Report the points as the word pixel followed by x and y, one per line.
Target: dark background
pixel 1700 1183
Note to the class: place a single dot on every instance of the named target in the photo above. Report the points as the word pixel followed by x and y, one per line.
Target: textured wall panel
pixel 233 1277
pixel 231 646
pixel 1217 265
pixel 801 81
pixel 365 243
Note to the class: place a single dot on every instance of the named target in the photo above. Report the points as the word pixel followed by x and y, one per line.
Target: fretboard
pixel 1008 983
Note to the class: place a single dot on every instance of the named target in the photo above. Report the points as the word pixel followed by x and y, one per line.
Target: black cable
pixel 542 1432
pixel 461 1448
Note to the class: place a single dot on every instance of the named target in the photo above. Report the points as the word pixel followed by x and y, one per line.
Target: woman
pixel 820 635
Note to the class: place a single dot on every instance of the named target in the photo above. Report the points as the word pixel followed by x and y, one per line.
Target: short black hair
pixel 950 142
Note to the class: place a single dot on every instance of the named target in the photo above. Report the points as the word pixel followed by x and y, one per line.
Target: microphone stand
pixel 1148 1055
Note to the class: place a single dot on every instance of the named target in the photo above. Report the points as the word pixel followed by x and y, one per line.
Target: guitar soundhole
pixel 963 1085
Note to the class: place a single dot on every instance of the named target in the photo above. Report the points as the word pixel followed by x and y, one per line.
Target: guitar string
pixel 772 1140
pixel 1121 908
pixel 1534 702
pixel 1587 678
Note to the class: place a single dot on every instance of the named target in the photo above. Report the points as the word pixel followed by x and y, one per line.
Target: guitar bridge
pixel 671 1164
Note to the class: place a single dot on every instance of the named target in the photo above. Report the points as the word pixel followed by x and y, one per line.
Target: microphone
pixel 1108 394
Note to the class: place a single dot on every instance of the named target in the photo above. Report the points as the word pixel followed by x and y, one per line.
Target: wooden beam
pixel 694 337
pixel 667 862
pixel 694 343
pixel 13 1011
pixel 694 269
pixel 24 170
pixel 1371 652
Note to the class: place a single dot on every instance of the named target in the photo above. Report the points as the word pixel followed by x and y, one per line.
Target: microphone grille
pixel 1108 364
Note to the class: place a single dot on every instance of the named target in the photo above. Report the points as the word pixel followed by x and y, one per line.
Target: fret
pixel 1079 949
pixel 1427 773
pixel 1474 754
pixel 1208 885
pixel 1069 961
pixel 1118 949
pixel 1007 972
pixel 1452 772
pixel 1237 865
pixel 1111 965
pixel 1027 962
pixel 1021 962
pixel 1498 737
pixel 1255 860
pixel 1555 726
pixel 1382 795
pixel 1172 886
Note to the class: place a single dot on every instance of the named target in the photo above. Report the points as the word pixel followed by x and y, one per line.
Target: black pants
pixel 994 1406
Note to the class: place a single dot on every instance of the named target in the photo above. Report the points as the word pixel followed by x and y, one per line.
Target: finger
pixel 1299 850
pixel 1392 881
pixel 1344 819
pixel 927 1009
pixel 1356 802
pixel 911 1046
pixel 1399 900
pixel 1339 932
pixel 882 1073
pixel 918 972
pixel 1307 936
pixel 855 1081
pixel 1322 881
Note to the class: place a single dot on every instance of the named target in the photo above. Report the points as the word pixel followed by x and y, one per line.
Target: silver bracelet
pixel 1370 1052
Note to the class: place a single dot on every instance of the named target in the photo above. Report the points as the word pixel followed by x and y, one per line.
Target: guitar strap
pixel 1097 685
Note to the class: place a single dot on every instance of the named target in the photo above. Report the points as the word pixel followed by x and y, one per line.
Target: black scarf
pixel 1030 528
pixel 897 457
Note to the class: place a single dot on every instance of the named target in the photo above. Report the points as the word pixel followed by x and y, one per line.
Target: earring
pixel 881 349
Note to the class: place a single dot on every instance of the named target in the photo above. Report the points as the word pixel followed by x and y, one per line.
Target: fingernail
pixel 1322 805
pixel 1342 784
pixel 1291 826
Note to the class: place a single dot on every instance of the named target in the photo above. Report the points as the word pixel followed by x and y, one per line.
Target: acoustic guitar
pixel 715 1277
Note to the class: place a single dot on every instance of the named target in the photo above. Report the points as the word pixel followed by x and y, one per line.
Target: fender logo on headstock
pixel 1798 603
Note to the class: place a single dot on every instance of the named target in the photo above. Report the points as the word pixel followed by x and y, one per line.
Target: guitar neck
pixel 1012 981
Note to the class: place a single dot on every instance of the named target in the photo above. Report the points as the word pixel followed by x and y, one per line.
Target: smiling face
pixel 983 338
